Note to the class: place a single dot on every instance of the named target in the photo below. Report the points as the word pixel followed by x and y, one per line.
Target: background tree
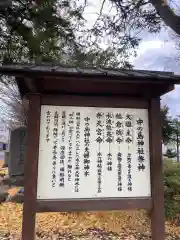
pixel 51 29
pixel 47 32
pixel 171 132
pixel 175 136
pixel 167 128
pixel 31 33
pixel 167 14
pixel 172 189
pixel 170 153
pixel 58 31
pixel 12 108
pixel 149 9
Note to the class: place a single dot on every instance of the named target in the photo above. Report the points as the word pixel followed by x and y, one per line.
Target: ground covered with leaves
pixel 134 225
pixel 87 225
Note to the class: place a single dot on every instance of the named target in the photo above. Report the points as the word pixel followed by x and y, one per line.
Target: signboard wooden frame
pixel 154 204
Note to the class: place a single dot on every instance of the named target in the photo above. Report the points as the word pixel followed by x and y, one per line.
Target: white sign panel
pixel 4 133
pixel 88 152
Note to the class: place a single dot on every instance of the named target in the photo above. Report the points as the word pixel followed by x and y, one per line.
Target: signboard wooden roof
pixel 76 141
pixel 97 81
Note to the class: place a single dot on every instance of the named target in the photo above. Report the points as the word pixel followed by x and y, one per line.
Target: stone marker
pixel 18 146
pixel 3 195
pixel 6 159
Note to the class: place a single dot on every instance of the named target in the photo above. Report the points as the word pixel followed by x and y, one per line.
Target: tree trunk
pixel 177 142
pixel 166 13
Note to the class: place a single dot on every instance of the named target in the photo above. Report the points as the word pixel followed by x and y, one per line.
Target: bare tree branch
pixel 102 6
pixel 12 107
pixel 168 16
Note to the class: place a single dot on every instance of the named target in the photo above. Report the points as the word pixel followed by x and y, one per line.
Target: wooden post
pixel 31 168
pixel 157 183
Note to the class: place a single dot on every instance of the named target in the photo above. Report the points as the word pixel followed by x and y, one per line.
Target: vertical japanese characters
pixel 129 175
pixel 55 153
pixel 61 172
pixel 63 125
pixel 96 150
pixel 70 144
pixel 109 138
pixel 129 129
pixel 62 151
pixel 99 141
pixel 129 141
pixel 22 148
pixel 119 140
pixel 140 145
pixel 48 123
pixel 77 160
pixel 87 135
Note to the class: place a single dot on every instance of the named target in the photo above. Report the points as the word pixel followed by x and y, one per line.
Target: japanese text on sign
pixel 88 152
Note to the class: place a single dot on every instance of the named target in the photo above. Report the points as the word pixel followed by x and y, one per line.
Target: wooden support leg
pixel 157 181
pixel 31 169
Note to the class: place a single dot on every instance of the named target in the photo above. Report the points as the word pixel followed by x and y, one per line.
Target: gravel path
pixel 90 234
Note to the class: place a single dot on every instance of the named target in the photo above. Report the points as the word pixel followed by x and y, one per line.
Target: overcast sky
pixel 155 52
pixel 158 52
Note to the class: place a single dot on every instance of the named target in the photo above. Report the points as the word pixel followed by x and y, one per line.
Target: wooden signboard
pixel 91 154
pixel 88 152
pixel 94 141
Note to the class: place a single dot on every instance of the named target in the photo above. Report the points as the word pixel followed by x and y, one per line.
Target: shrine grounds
pixel 134 225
